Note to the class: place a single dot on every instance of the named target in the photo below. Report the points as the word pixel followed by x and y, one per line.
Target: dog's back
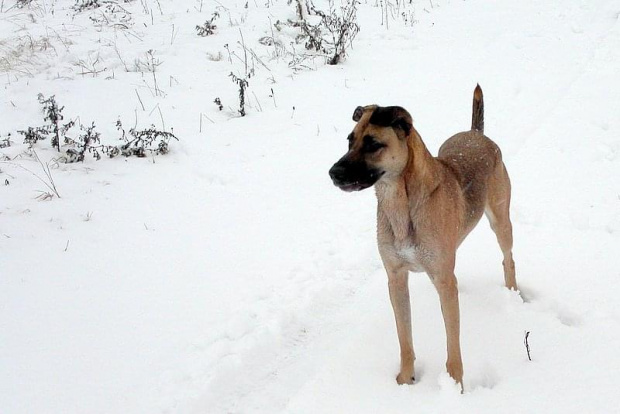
pixel 474 159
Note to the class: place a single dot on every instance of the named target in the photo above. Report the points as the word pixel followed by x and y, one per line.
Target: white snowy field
pixel 231 276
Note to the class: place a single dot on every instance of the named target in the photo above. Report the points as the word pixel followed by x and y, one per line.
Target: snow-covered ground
pixel 231 276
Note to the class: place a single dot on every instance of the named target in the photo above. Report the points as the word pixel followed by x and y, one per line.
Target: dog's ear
pixel 357 114
pixel 393 116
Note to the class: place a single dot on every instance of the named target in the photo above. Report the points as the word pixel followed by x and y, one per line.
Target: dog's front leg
pixel 399 296
pixel 446 285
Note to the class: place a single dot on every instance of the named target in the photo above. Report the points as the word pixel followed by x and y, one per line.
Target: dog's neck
pixel 402 196
pixel 420 174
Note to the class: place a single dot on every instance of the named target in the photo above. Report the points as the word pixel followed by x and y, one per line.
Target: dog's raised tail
pixel 477 113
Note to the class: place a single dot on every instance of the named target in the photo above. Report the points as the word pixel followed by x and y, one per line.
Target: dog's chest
pixel 416 257
pixel 400 242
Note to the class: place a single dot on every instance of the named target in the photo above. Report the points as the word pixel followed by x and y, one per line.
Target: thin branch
pixel 140 99
pixel 527 345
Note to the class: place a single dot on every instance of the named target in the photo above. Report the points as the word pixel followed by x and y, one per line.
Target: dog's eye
pixel 371 145
pixel 350 139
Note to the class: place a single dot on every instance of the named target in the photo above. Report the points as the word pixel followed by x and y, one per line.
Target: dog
pixel 426 207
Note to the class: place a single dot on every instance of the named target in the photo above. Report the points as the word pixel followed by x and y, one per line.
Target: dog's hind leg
pixel 398 282
pixel 498 212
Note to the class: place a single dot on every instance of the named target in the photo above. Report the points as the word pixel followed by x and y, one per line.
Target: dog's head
pixel 377 148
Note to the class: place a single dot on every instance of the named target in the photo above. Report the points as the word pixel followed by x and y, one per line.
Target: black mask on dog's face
pixel 353 175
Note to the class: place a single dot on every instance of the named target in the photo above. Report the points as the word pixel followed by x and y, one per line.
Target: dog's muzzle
pixel 353 176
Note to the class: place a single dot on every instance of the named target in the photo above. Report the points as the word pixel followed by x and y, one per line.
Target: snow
pixel 231 276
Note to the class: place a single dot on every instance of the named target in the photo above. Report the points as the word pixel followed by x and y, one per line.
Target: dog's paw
pixel 404 379
pixel 455 369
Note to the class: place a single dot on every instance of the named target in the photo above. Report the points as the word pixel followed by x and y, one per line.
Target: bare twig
pixel 260 107
pixel 527 345
pixel 163 124
pixel 273 96
pixel 204 116
pixel 140 99
pixel 120 57
pixel 245 52
pixel 173 35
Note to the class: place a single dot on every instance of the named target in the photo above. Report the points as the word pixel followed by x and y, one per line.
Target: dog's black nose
pixel 337 173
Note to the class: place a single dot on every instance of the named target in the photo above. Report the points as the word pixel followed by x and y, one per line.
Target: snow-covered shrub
pixel 6 142
pixel 219 104
pixel 85 142
pixel 81 5
pixel 112 7
pixel 242 84
pixel 20 4
pixel 33 134
pixel 208 28
pixel 142 142
pixel 112 14
pixel 53 114
pixel 330 33
pixel 135 142
pixel 54 128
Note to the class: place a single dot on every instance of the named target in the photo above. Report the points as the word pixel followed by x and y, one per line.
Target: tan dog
pixel 426 207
